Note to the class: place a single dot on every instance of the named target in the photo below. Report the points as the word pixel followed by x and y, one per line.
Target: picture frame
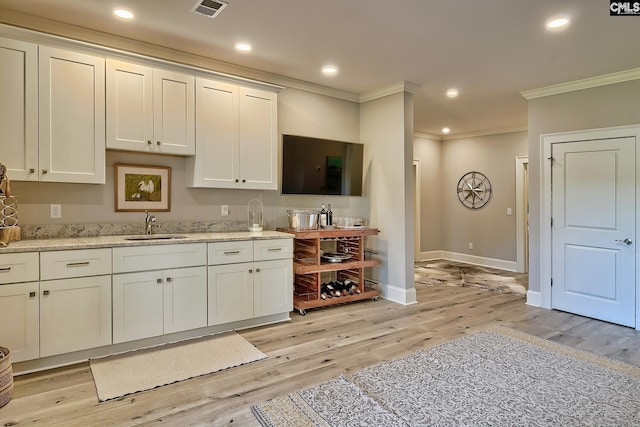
pixel 140 188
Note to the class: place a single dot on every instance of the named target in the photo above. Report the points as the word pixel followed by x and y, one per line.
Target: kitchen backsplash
pixel 93 230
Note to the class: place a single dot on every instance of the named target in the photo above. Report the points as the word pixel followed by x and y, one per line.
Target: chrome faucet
pixel 148 223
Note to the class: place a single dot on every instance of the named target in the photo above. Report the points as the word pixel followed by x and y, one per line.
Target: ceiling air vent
pixel 209 8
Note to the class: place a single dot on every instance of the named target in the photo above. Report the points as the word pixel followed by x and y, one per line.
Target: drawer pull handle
pixel 232 252
pixel 274 249
pixel 45 293
pixel 250 271
pixel 148 141
pixel 158 281
pixel 169 280
pixel 78 264
pixel 32 294
pixel 257 270
pixel 5 269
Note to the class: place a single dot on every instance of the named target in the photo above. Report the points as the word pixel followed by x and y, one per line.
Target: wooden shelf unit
pixel 308 265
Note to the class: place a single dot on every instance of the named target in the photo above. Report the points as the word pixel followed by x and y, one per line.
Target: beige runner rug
pixel 127 373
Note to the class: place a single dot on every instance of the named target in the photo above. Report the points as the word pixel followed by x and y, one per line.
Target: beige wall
pixel 604 106
pixel 299 112
pixel 446 224
pixel 428 152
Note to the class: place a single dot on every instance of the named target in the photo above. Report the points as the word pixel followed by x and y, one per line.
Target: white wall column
pixel 386 129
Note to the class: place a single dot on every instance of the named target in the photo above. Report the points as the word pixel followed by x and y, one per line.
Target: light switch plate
pixel 224 210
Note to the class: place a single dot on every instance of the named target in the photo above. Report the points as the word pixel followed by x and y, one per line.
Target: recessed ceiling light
pixel 243 47
pixel 557 23
pixel 329 70
pixel 123 13
pixel 452 93
pixel 446 130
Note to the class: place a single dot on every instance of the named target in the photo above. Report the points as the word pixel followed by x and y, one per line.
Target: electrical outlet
pixel 509 211
pixel 56 211
pixel 224 210
pixel 470 245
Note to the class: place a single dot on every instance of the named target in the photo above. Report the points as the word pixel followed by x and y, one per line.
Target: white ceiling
pixel 491 50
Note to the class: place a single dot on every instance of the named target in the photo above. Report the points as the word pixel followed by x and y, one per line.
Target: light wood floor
pixel 310 349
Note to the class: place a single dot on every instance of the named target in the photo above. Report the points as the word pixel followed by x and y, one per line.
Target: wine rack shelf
pixel 309 266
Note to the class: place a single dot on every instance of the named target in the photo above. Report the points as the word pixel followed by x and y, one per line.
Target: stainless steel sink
pixel 154 237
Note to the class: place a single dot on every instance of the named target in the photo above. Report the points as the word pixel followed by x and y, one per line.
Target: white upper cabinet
pixel 236 137
pixel 71 117
pixel 258 158
pixel 51 114
pixel 19 108
pixel 149 109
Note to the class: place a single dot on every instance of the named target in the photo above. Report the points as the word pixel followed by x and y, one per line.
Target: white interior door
pixel 593 231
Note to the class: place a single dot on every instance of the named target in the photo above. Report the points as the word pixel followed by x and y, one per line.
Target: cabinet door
pixel 258 143
pixel 129 106
pixel 75 314
pixel 174 112
pixel 215 164
pixel 185 299
pixel 137 306
pixel 20 319
pixel 230 293
pixel 19 108
pixel 71 117
pixel 273 287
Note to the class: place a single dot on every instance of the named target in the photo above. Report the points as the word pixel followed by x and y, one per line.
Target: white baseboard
pixel 430 255
pixel 534 298
pixel 482 261
pixel 398 295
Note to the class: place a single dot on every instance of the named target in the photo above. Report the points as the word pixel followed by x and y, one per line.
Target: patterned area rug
pixel 494 378
pixel 451 273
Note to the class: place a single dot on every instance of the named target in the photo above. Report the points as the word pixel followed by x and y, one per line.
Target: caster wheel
pixel 375 298
pixel 303 312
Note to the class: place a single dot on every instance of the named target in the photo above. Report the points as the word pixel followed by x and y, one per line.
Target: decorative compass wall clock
pixel 474 190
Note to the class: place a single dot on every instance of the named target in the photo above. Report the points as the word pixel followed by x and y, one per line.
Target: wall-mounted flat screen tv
pixel 321 166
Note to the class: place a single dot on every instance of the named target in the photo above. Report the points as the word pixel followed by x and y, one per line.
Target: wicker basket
pixel 6 377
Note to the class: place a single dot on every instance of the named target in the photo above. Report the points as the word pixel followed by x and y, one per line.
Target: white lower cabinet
pixel 153 303
pixel 162 289
pixel 20 328
pixel 230 293
pixel 272 287
pixel 75 314
pixel 247 290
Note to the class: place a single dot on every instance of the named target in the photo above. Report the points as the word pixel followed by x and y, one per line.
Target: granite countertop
pixel 67 243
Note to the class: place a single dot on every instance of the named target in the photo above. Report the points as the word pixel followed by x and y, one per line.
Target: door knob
pixel 627 241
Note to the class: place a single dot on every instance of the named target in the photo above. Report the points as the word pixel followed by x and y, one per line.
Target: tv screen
pixel 321 166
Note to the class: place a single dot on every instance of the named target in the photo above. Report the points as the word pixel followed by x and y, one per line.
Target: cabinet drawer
pixel 76 263
pixel 230 252
pixel 265 250
pixel 21 267
pixel 157 257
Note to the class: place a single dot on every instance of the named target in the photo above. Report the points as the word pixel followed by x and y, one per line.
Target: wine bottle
pixel 329 216
pixel 323 217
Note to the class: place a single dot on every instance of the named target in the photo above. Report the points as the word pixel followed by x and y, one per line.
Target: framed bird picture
pixel 141 188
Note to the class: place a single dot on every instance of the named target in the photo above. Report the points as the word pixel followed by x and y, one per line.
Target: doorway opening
pixel 522 214
pixel 416 219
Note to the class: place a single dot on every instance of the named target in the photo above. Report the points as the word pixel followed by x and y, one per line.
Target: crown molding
pixel 591 82
pixel 483 133
pixel 41 29
pixel 432 136
pixel 389 90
